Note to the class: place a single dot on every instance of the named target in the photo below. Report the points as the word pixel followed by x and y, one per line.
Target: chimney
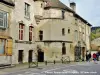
pixel 73 6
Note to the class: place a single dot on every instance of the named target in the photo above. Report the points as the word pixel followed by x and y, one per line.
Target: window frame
pixel 63 49
pixel 76 35
pixel 27 10
pixel 5 42
pixel 21 32
pixel 41 35
pixel 4 19
pixel 68 30
pixel 30 33
pixel 63 14
pixel 63 31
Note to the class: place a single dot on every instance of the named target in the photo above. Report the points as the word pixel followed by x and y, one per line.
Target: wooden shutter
pixel 9 47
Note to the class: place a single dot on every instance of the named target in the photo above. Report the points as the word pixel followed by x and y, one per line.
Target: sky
pixel 88 9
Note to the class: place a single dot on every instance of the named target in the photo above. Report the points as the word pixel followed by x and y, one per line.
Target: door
pixel 77 53
pixel 40 56
pixel 83 53
pixel 20 56
pixel 30 55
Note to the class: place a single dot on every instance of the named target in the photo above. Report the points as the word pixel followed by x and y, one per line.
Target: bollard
pixel 45 62
pixel 62 61
pixel 54 62
pixel 29 64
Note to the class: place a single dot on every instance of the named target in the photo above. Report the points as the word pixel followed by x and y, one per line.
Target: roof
pixel 59 4
pixel 56 4
pixel 94 28
pixel 8 2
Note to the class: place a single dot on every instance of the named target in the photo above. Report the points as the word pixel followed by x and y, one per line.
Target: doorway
pixel 40 56
pixel 20 56
pixel 83 53
pixel 30 55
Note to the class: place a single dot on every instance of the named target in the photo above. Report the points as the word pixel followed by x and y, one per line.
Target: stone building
pixel 61 32
pixel 22 31
pixel 6 7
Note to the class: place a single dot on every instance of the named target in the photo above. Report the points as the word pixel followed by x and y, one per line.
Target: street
pixel 86 68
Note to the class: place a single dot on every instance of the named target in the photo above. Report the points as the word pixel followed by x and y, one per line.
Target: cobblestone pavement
pixel 86 68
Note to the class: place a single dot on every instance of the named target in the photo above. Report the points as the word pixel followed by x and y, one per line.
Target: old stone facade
pixel 22 31
pixel 44 28
pixel 61 32
pixel 5 38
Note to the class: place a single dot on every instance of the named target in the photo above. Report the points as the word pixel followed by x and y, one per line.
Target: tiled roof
pixel 8 2
pixel 56 4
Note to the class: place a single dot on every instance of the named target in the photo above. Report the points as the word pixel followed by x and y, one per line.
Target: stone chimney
pixel 73 6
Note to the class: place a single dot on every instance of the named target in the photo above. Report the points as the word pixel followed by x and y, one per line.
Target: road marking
pixel 19 74
pixel 57 68
pixel 60 68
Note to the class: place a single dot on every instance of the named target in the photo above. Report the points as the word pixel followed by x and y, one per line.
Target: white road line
pixel 57 68
pixel 19 74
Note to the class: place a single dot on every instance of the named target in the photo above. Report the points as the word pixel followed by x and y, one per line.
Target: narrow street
pixel 86 68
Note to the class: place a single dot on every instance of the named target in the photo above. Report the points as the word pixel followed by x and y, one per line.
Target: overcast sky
pixel 88 9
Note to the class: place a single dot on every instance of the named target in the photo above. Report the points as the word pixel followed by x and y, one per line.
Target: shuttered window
pixel 9 46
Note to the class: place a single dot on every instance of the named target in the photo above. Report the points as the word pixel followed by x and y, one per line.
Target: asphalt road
pixel 77 69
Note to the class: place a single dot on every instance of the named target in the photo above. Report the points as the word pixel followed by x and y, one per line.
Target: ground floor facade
pixel 50 51
pixel 23 52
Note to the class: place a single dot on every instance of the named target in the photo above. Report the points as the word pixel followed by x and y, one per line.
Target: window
pixel 63 31
pixel 2 46
pixel 30 33
pixel 41 35
pixel 63 49
pixel 21 31
pixel 63 16
pixel 68 30
pixel 3 19
pixel 27 10
pixel 41 5
pixel 76 35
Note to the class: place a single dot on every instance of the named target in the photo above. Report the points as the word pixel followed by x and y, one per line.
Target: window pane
pixel 22 26
pixel 5 20
pixel 1 22
pixel 2 46
pixel 19 35
pixel 1 15
pixel 30 36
